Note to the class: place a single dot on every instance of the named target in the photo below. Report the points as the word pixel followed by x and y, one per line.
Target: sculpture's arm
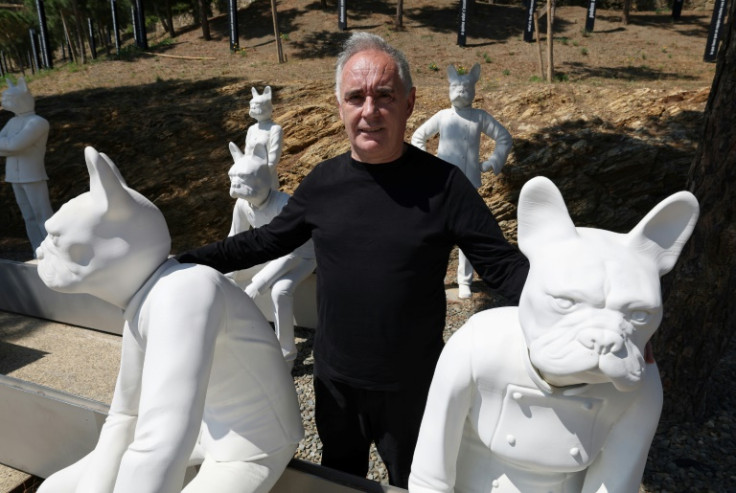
pixel 503 141
pixel 620 466
pixel 275 143
pixel 271 272
pixel 250 141
pixel 426 131
pixel 102 464
pixel 35 129
pixel 181 321
pixel 433 469
pixel 240 222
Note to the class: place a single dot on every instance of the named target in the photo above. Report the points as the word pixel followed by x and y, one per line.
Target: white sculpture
pixel 201 376
pixel 23 143
pixel 257 204
pixel 460 128
pixel 555 395
pixel 265 138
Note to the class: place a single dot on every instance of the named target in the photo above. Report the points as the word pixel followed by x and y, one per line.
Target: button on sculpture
pixel 555 396
pixel 460 128
pixel 23 143
pixel 257 204
pixel 201 376
pixel 265 138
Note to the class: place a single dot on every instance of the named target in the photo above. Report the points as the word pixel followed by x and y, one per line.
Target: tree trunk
pixel 68 39
pixel 550 58
pixel 399 23
pixel 204 21
pixel 80 30
pixel 627 8
pixel 700 314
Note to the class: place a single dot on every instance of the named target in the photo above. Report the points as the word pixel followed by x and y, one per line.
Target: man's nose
pixel 369 106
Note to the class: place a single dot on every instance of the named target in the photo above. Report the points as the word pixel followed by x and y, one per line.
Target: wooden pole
pixel 550 60
pixel 539 44
pixel 276 31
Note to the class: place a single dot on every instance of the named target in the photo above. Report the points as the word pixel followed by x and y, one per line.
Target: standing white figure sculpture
pixel 201 376
pixel 265 138
pixel 23 143
pixel 460 128
pixel 555 395
pixel 257 204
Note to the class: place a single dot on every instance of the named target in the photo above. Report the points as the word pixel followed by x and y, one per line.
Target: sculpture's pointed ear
pixel 10 82
pixel 451 73
pixel 254 92
pixel 106 184
pixel 475 73
pixel 235 151
pixel 663 232
pixel 22 84
pixel 542 216
pixel 267 91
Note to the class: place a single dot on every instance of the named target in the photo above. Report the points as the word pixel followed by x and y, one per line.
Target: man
pixel 384 218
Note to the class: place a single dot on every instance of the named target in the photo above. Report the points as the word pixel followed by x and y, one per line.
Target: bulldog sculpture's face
pixel 250 177
pixel 592 299
pixel 17 98
pixel 261 107
pixel 105 242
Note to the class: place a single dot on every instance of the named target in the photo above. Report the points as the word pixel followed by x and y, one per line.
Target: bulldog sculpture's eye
pixel 563 304
pixel 639 316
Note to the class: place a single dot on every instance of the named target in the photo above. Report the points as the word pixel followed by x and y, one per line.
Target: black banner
pixel 529 24
pixel 115 25
pixel 342 15
pixel 92 44
pixel 232 9
pixel 714 33
pixel 590 17
pixel 677 9
pixel 463 18
pixel 46 53
pixel 142 39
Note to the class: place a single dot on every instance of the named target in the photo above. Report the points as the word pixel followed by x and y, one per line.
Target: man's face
pixel 374 106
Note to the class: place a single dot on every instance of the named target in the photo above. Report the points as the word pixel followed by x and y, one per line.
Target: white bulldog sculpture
pixel 555 395
pixel 265 138
pixel 258 202
pixel 201 379
pixel 23 143
pixel 460 128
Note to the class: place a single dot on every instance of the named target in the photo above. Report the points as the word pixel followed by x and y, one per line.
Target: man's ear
pixel 411 99
pixel 339 108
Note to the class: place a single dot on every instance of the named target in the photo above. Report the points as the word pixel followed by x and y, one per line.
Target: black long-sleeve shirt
pixel 382 234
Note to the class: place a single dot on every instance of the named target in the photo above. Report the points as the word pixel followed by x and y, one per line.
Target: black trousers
pixel 348 419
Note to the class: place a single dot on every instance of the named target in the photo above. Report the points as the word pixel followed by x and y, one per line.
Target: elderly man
pixel 384 218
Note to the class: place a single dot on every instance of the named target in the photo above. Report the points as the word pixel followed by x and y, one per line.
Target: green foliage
pixel 584 51
pixel 506 72
pixel 433 67
pixel 535 78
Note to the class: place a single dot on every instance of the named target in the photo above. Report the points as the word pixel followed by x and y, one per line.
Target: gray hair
pixel 363 41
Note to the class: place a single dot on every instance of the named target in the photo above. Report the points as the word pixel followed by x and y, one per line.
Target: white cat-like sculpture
pixel 265 138
pixel 201 380
pixel 460 128
pixel 256 205
pixel 555 396
pixel 23 143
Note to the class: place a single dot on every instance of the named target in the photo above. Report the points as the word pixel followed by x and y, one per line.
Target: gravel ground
pixel 697 456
